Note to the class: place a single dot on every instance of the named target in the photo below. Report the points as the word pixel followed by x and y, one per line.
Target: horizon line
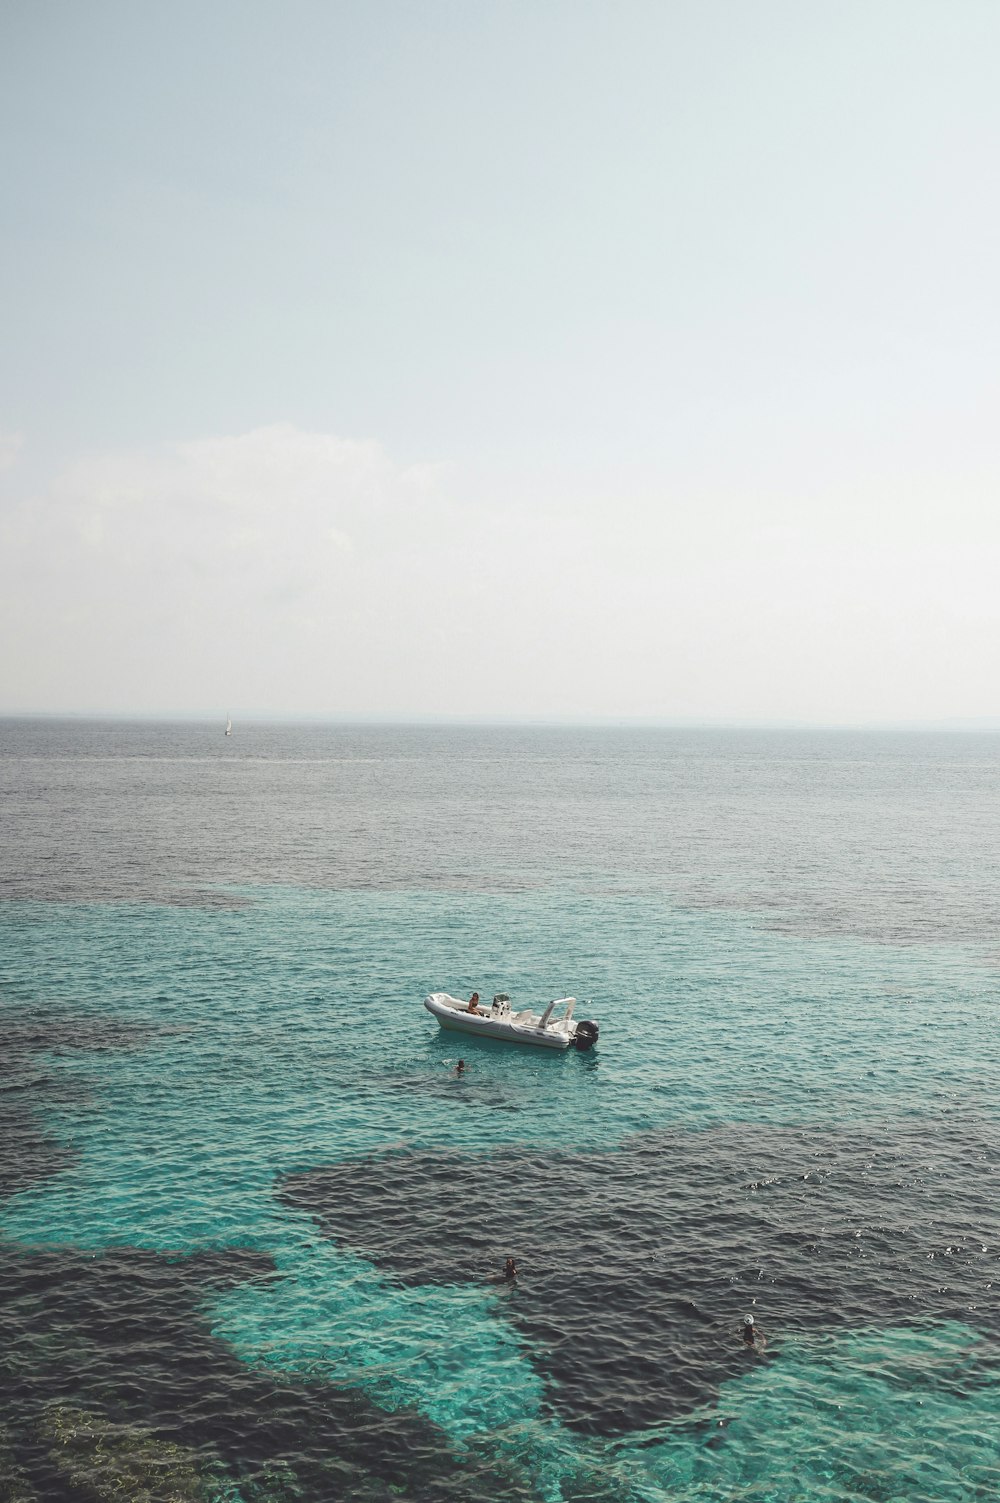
pixel 955 724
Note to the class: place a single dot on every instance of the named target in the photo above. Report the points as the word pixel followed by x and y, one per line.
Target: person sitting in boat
pixel 474 1003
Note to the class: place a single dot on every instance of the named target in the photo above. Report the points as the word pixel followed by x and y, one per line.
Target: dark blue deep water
pixel 250 1218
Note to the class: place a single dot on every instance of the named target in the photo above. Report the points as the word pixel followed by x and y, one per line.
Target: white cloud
pixel 306 573
pixel 253 510
pixel 11 445
pixel 279 568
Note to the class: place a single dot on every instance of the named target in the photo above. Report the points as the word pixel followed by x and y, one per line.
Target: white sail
pixel 229 725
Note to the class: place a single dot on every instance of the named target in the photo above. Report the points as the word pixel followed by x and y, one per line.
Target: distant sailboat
pixel 229 725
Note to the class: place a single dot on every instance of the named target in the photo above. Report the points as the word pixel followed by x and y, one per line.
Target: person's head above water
pixel 510 1269
pixel 748 1320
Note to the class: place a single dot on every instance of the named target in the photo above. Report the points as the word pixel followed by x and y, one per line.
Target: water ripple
pixel 638 1265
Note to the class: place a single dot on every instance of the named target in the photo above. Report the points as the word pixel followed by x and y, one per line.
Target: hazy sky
pixel 549 359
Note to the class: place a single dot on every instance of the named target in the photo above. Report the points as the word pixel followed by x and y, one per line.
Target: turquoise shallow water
pixel 249 1211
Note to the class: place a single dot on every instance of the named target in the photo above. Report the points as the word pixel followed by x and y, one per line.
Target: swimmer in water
pixel 752 1334
pixel 460 1067
pixel 510 1271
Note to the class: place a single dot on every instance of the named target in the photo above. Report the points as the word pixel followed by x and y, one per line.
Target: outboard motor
pixel 586 1034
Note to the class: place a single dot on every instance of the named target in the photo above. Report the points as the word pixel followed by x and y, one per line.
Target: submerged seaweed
pixel 118 1463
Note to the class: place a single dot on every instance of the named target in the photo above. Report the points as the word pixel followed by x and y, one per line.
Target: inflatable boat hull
pixel 512 1027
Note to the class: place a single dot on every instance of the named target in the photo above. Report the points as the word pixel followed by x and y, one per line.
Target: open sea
pixel 251 1219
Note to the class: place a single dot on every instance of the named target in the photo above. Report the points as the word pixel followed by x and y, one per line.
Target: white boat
pixel 551 1029
pixel 229 725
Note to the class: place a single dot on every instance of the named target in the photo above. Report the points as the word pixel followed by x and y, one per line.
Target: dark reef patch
pixel 28 1152
pixel 638 1265
pixel 112 1387
pixel 212 900
pixel 38 1030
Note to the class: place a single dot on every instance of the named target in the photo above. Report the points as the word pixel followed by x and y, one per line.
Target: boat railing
pixel 548 1020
